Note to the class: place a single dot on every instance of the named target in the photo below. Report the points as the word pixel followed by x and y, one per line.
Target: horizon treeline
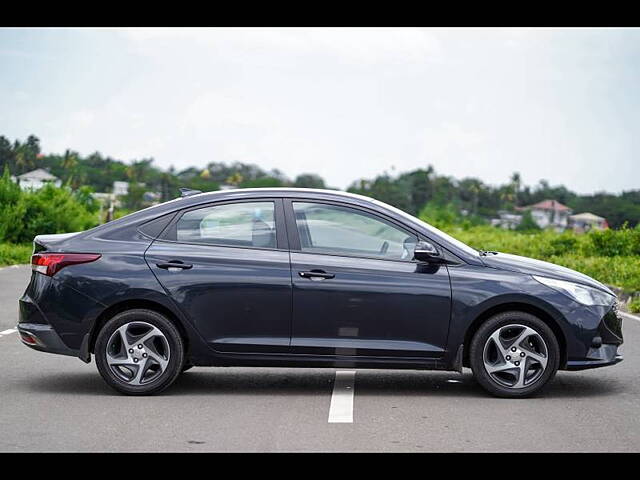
pixel 410 191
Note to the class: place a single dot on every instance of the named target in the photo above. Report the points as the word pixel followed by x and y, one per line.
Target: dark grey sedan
pixel 306 278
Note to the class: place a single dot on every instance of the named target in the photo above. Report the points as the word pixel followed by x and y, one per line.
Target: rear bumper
pixel 57 316
pixel 37 333
pixel 44 338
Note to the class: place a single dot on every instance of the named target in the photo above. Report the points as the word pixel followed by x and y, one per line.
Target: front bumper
pixel 605 340
pixel 605 355
pixel 593 335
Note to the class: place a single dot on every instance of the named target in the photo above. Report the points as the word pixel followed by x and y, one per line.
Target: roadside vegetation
pixel 25 214
pixel 459 207
pixel 610 256
pixel 14 254
pixel 409 191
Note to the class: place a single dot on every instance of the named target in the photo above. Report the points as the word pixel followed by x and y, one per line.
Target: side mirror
pixel 426 252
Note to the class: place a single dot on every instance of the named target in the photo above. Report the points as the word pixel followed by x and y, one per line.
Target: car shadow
pixel 75 383
pixel 409 383
pixel 258 381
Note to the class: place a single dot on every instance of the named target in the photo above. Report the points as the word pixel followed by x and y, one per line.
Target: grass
pixel 11 254
pixel 622 271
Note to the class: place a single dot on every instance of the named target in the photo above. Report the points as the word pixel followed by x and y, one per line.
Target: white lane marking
pixel 8 332
pixel 341 410
pixel 629 316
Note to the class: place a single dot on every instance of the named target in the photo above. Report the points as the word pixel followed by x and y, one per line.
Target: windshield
pixel 431 228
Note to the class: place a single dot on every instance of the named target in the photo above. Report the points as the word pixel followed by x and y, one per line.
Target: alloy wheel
pixel 515 356
pixel 137 353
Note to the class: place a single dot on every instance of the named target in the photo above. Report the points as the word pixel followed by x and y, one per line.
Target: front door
pixel 357 289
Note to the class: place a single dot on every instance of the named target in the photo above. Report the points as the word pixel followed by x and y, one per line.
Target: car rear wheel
pixel 514 354
pixel 139 352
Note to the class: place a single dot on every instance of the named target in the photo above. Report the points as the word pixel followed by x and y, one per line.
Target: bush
pixel 565 243
pixel 634 305
pixel 84 196
pixel 527 224
pixel 25 214
pixel 14 254
pixel 12 208
pixel 611 243
pixel 610 256
pixel 623 272
pixel 445 215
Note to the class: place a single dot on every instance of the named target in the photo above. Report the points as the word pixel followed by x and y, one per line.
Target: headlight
pixel 580 293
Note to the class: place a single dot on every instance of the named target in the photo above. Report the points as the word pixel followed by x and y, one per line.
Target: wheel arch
pixel 124 305
pixel 516 307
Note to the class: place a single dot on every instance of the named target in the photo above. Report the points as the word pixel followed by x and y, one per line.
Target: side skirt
pixel 311 361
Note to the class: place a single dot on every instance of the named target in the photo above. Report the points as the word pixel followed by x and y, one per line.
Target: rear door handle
pixel 174 264
pixel 316 274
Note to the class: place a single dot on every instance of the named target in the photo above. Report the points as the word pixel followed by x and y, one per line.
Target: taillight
pixel 51 263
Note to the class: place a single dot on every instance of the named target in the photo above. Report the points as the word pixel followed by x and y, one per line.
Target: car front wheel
pixel 514 354
pixel 139 352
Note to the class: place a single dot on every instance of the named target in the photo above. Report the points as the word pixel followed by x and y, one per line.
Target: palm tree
pixel 474 189
pixel 69 160
pixel 516 185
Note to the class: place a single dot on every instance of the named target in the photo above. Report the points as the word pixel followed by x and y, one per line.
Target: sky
pixel 554 104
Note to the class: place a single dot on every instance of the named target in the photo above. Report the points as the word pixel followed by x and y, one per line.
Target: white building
pixel 549 214
pixel 584 222
pixel 120 188
pixel 36 179
pixel 507 220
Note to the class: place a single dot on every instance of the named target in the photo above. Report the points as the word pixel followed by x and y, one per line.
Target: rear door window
pixel 246 224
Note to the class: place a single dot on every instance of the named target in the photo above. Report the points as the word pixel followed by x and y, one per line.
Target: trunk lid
pixel 51 242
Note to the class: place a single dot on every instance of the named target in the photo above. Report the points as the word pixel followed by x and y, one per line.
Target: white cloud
pixel 346 103
pixel 362 46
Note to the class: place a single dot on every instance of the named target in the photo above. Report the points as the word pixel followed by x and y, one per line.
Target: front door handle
pixel 316 274
pixel 174 264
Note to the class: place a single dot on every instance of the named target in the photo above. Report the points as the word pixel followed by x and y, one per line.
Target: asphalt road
pixel 55 403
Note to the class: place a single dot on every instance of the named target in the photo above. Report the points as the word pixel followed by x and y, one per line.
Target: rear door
pixel 226 265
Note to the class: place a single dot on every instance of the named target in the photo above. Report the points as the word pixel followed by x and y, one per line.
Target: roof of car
pixel 239 193
pixel 291 192
pixel 281 190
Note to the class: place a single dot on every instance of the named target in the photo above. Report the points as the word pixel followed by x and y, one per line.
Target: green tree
pixel 12 208
pixel 263 182
pixel 527 224
pixel 309 180
pixel 7 155
pixel 26 154
pixel 133 199
pixel 516 185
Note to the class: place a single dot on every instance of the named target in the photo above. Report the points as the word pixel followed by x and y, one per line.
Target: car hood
pixel 531 266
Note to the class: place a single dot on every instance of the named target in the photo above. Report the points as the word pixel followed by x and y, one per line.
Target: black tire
pixel 173 340
pixel 493 324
